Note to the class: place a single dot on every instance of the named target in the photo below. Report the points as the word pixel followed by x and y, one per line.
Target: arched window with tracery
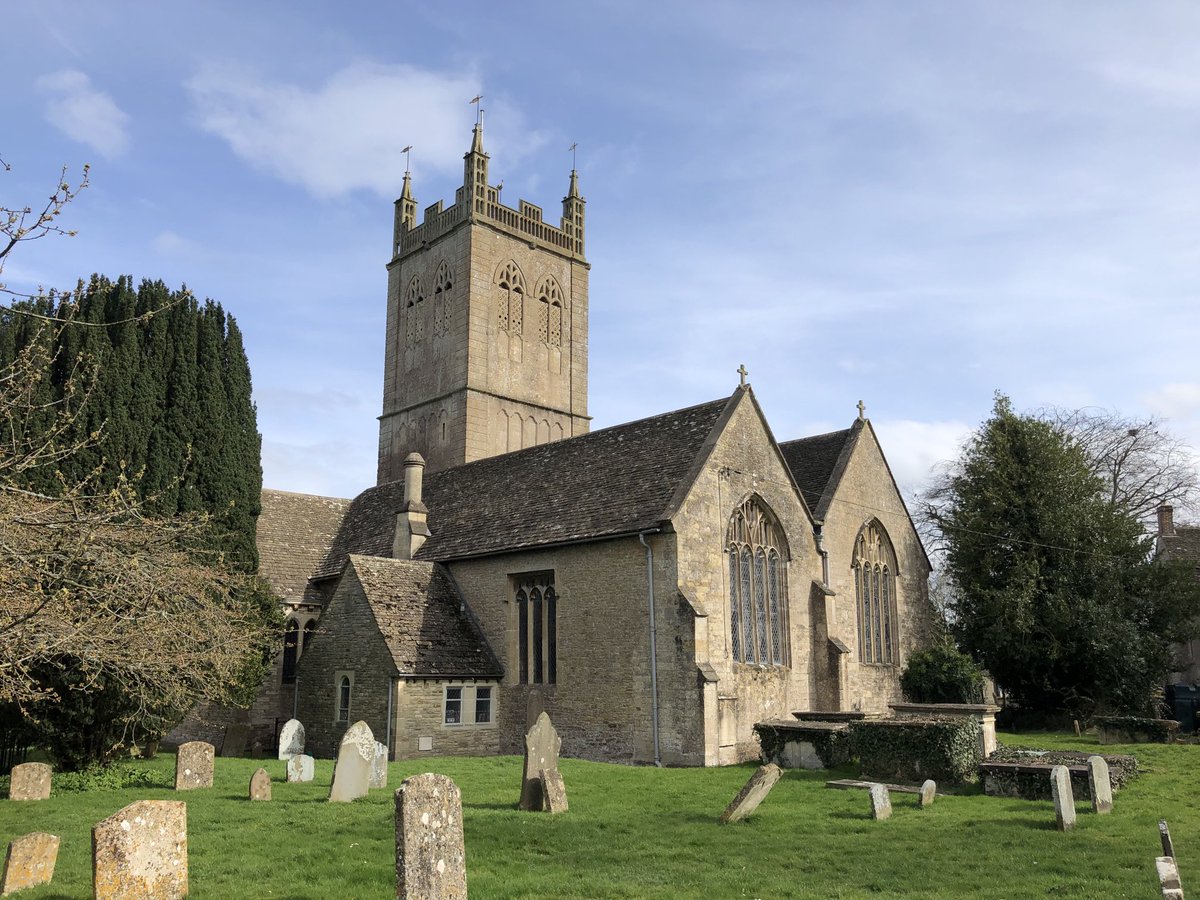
pixel 875 589
pixel 758 619
pixel 414 311
pixel 550 312
pixel 441 300
pixel 510 301
pixel 291 648
pixel 310 628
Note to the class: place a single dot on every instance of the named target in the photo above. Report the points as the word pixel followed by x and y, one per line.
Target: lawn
pixel 644 832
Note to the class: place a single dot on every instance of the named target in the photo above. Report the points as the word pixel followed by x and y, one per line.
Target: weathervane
pixel 475 101
pixel 406 151
pixel 572 148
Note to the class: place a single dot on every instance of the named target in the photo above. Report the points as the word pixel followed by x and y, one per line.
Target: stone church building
pixel 657 587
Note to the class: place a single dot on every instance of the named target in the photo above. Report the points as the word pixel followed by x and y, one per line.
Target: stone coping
pixel 1029 768
pixel 801 727
pixel 947 708
pixel 818 715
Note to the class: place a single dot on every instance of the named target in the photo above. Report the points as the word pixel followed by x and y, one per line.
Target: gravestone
pixel 300 768
pixel 260 785
pixel 881 802
pixel 352 772
pixel 30 861
pixel 194 766
pixel 1064 799
pixel 554 791
pixel 1168 878
pixel 236 736
pixel 1099 785
pixel 150 750
pixel 542 745
pixel 141 851
pixel 257 751
pixel 928 794
pixel 29 781
pixel 379 767
pixel 291 739
pixel 430 856
pixel 752 793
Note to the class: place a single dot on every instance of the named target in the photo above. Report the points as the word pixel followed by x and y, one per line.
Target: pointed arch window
pixel 291 649
pixel 441 300
pixel 537 628
pixel 875 589
pixel 414 312
pixel 758 620
pixel 510 302
pixel 550 312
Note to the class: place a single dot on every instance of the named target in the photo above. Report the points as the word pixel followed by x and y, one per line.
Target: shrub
pixel 942 748
pixel 941 674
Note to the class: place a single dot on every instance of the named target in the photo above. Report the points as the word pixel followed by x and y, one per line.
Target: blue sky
pixel 914 204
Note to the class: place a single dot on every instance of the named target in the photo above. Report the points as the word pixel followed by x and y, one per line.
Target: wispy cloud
pixel 83 113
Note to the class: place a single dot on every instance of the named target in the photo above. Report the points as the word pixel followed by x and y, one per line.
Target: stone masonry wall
pixel 420 713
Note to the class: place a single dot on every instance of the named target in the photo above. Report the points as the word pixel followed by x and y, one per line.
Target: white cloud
pixel 83 113
pixel 346 134
pixel 1174 401
pixel 914 448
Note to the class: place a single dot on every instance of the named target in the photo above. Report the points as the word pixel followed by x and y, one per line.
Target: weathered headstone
pixel 542 745
pixel 291 739
pixel 30 861
pixel 194 766
pixel 752 793
pixel 260 785
pixel 29 781
pixel 1168 878
pixel 928 793
pixel 150 750
pixel 257 750
pixel 352 772
pixel 881 802
pixel 554 791
pixel 141 851
pixel 236 736
pixel 430 856
pixel 1164 835
pixel 300 768
pixel 1099 785
pixel 379 765
pixel 1064 798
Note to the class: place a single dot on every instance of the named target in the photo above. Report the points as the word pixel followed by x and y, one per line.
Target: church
pixel 656 587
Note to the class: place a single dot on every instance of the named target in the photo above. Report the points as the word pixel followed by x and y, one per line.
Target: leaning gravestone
pixel 29 862
pixel 1099 785
pixel 1064 799
pixel 881 802
pixel 379 767
pixel 554 791
pixel 300 768
pixel 430 856
pixel 194 766
pixel 352 772
pixel 291 739
pixel 29 781
pixel 141 851
pixel 260 785
pixel 1168 878
pixel 928 793
pixel 752 793
pixel 542 745
pixel 237 734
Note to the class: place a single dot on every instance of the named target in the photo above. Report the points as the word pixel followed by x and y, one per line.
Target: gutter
pixel 653 640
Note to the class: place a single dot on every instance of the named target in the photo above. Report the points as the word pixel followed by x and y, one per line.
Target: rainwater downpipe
pixel 388 731
pixel 824 557
pixel 653 642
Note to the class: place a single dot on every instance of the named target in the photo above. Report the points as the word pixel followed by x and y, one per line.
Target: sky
pixel 911 204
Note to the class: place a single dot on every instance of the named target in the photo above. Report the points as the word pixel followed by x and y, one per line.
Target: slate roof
pixel 295 532
pixel 817 463
pixel 1183 545
pixel 614 481
pixel 424 620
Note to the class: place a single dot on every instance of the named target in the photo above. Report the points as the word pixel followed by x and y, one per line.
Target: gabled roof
pixel 423 619
pixel 615 481
pixel 1182 546
pixel 818 463
pixel 295 532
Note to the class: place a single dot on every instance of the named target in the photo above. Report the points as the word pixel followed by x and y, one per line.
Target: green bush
pixel 941 674
pixel 946 749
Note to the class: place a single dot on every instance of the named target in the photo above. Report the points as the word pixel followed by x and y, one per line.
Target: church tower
pixel 487 318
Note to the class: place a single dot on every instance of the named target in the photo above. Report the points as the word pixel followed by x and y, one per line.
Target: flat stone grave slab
pixel 29 862
pixel 352 772
pixel 554 791
pixel 291 739
pixel 881 803
pixel 430 853
pixel 379 764
pixel 542 746
pixel 260 785
pixel 852 784
pixel 194 766
pixel 141 851
pixel 29 781
pixel 300 768
pixel 752 793
pixel 1064 798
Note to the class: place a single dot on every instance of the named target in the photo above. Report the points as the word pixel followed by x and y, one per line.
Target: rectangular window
pixel 454 705
pixel 483 705
pixel 536 611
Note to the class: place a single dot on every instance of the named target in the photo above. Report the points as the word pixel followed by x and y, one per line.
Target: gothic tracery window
pixel 414 311
pixel 441 300
pixel 550 312
pixel 875 589
pixel 511 298
pixel 757 586
pixel 537 628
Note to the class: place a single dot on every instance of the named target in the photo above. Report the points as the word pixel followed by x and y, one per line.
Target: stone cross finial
pixel 743 373
pixel 862 410
pixel 476 101
pixel 573 148
pixel 406 151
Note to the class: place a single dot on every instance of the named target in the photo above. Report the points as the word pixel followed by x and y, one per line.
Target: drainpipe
pixel 824 556
pixel 653 639
pixel 388 731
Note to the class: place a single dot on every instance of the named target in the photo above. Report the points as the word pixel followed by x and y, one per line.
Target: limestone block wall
pixel 743 462
pixel 420 713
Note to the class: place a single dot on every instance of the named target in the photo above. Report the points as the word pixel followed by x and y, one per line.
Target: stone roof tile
pixel 814 461
pixel 295 532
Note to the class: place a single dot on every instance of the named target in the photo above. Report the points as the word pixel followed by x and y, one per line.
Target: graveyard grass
pixel 641 832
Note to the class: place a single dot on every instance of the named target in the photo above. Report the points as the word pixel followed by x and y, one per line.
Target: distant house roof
pixel 295 532
pixel 615 481
pixel 424 620
pixel 1182 546
pixel 817 464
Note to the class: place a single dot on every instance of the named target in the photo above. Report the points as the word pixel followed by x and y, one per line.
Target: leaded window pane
pixel 875 574
pixel 747 612
pixel 535 614
pixel 551 636
pixel 865 579
pixel 735 637
pixel 774 604
pixel 887 616
pixel 523 637
pixel 760 605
